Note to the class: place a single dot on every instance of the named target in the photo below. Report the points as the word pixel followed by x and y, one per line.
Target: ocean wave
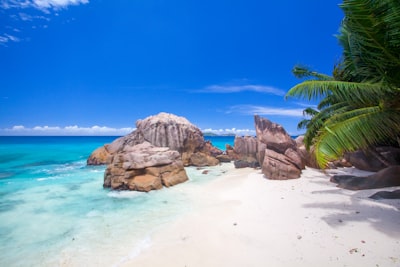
pixel 47 178
pixel 124 194
pixel 62 168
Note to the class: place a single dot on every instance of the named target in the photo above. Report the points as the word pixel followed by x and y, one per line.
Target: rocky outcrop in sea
pixel 163 130
pixel 154 154
pixel 145 167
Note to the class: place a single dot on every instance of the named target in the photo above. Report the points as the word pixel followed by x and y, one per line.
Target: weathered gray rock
pixel 273 135
pixel 386 195
pixel 245 145
pixel 168 130
pixel 277 151
pixel 145 167
pixel 224 158
pixel 308 156
pixel 246 163
pixel 387 177
pixel 100 156
pixel 201 159
pixel 367 161
pixel 244 152
pixel 278 166
pixel 162 130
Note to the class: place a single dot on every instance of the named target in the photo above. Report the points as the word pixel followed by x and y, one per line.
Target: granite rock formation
pixel 144 167
pixel 308 156
pixel 244 152
pixel 386 195
pixel 163 130
pixel 387 177
pixel 277 151
pixel 368 161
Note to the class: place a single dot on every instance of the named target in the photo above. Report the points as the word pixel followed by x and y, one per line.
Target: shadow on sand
pixel 356 206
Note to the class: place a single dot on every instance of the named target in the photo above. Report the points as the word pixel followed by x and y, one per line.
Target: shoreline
pixel 243 219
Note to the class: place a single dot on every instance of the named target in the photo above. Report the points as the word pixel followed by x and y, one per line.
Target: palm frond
pixel 301 71
pixel 370 37
pixel 310 112
pixel 361 129
pixel 312 90
pixel 303 124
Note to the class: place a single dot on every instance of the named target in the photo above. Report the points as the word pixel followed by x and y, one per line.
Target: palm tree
pixel 306 123
pixel 360 104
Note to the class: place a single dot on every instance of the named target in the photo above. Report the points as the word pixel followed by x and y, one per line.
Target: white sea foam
pixel 124 194
pixel 142 245
pixel 93 213
pixel 46 179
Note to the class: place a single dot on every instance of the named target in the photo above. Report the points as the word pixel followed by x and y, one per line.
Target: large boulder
pixel 277 151
pixel 162 130
pixel 273 135
pixel 387 177
pixel 145 167
pixel 367 161
pixel 99 157
pixel 245 145
pixel 307 155
pixel 244 152
pixel 278 166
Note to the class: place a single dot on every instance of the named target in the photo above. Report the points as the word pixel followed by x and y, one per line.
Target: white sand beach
pixel 243 219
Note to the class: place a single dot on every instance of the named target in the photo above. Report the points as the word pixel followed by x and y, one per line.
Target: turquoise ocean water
pixel 55 212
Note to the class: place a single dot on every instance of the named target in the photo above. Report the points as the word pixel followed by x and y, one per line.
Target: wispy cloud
pixel 230 131
pixel 5 38
pixel 67 130
pixel 241 88
pixel 264 110
pixel 32 13
pixel 40 4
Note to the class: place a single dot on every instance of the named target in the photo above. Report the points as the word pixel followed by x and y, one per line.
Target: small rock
pixel 353 250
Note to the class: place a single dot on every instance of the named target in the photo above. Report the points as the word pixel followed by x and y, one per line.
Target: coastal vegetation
pixel 359 104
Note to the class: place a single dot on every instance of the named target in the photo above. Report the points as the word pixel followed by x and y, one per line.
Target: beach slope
pixel 243 219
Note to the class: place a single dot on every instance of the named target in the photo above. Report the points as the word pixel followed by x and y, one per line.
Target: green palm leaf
pixel 363 128
pixel 360 106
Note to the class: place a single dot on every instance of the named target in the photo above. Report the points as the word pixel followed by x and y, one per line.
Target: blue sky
pixel 88 67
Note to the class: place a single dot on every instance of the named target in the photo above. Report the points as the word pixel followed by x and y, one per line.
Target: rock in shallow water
pixel 163 130
pixel 145 167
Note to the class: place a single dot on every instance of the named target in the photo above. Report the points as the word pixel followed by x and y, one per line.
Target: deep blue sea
pixel 55 212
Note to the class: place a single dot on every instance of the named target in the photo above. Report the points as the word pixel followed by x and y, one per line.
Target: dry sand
pixel 243 219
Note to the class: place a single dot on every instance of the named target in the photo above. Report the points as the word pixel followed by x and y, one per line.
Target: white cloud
pixel 67 130
pixel 240 88
pixel 5 38
pixel 271 111
pixel 40 4
pixel 18 128
pixel 56 4
pixel 230 131
pixel 26 11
